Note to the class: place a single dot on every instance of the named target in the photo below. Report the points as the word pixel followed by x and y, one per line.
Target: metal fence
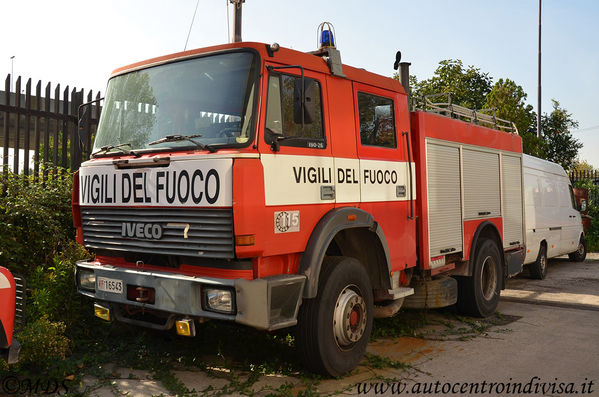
pixel 39 130
pixel 576 176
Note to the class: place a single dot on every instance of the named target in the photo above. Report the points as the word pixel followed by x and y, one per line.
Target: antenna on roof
pixel 191 25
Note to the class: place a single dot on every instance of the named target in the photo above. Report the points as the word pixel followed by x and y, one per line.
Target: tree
pixel 508 98
pixel 469 87
pixel 475 90
pixel 582 166
pixel 561 146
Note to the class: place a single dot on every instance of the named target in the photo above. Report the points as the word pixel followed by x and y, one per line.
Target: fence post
pixel 6 124
pixel 17 126
pixel 65 128
pixel 27 137
pixel 36 144
pixel 57 124
pixel 47 132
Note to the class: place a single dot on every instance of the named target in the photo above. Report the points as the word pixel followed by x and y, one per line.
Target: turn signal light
pixel 185 327
pixel 248 239
pixel 102 312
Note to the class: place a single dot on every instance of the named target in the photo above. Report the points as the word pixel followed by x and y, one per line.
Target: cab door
pixel 295 157
pixel 572 222
pixel 386 173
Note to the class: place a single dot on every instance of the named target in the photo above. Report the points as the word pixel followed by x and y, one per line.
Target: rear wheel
pixel 333 328
pixel 538 269
pixel 581 253
pixel 478 295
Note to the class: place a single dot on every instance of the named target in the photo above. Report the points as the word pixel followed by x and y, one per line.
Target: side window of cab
pixel 291 120
pixel 377 120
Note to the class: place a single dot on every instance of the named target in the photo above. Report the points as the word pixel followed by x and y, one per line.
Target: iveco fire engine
pixel 258 184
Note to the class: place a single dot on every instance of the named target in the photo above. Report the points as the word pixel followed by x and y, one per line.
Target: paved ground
pixel 544 341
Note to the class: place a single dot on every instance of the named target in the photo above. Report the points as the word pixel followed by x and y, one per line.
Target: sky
pixel 79 42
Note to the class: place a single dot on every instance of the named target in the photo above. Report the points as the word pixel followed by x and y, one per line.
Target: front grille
pixel 210 232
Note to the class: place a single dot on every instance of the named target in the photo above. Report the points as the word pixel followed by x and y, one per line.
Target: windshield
pixel 210 98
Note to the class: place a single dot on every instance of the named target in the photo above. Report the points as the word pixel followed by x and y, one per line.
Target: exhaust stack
pixel 404 76
pixel 237 20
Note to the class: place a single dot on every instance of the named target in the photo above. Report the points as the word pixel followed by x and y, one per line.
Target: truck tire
pixel 581 253
pixel 478 295
pixel 538 269
pixel 334 328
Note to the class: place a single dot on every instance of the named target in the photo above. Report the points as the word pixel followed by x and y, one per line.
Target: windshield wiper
pixel 175 138
pixel 107 148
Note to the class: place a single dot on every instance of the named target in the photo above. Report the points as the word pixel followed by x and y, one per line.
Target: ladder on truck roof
pixel 449 109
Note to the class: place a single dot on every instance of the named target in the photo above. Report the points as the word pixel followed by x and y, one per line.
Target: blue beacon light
pixel 327 39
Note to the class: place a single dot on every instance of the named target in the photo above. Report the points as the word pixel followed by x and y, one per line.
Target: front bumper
pixel 268 303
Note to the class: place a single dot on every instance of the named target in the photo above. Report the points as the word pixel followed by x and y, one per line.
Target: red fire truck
pixel 253 183
pixel 11 313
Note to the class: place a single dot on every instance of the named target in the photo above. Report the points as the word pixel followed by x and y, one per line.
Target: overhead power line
pixel 594 127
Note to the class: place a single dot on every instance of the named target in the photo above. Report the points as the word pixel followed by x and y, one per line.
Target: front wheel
pixel 581 252
pixel 478 295
pixel 333 328
pixel 538 269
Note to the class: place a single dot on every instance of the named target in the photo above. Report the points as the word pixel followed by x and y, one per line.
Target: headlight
pixel 87 279
pixel 219 300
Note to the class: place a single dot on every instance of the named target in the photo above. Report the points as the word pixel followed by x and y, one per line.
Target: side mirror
pixel 83 124
pixel 582 207
pixel 306 102
pixel 83 119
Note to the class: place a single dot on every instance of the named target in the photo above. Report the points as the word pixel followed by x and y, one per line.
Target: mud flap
pixel 514 261
pixel 13 352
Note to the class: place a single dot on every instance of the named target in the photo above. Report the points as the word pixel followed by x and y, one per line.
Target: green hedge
pixel 592 237
pixel 35 220
pixel 37 241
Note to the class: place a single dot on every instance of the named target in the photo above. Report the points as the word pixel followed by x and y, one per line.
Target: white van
pixel 553 223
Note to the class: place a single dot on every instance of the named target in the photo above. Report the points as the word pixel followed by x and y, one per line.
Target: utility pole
pixel 539 72
pixel 237 20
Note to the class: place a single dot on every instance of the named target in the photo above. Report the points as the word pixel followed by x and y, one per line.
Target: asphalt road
pixel 548 345
pixel 543 341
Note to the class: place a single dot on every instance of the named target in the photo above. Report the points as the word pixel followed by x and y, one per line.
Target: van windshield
pixel 210 98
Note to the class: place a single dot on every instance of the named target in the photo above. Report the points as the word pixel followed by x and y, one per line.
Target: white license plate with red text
pixel 110 285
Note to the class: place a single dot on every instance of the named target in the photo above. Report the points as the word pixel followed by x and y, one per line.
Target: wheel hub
pixel 488 276
pixel 349 317
pixel 543 263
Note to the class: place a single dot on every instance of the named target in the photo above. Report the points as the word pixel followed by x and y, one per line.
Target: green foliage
pixel 54 293
pixel 508 98
pixel 35 219
pixel 582 166
pixel 592 236
pixel 469 87
pixel 561 146
pixel 36 240
pixel 475 90
pixel 43 343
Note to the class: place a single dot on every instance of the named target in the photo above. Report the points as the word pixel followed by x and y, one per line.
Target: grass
pixel 239 355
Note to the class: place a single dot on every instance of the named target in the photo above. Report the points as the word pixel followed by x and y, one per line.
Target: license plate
pixel 110 285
